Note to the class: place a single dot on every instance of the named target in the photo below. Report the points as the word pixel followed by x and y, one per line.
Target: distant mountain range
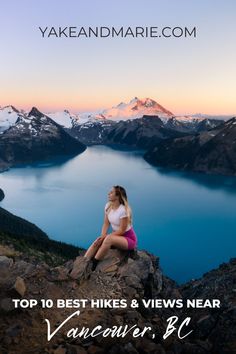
pixel 136 108
pixel 139 132
pixel 142 123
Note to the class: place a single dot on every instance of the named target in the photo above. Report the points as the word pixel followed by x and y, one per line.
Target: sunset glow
pixel 185 75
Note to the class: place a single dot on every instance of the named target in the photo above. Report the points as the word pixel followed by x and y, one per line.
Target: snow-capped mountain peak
pixel 9 109
pixel 147 102
pixel 8 117
pixel 135 99
pixel 35 113
pixel 64 118
pixel 136 108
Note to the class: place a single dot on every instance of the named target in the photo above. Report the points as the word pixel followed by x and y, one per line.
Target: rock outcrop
pixel 121 275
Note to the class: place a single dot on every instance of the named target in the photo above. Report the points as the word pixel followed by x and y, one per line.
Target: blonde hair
pixel 121 193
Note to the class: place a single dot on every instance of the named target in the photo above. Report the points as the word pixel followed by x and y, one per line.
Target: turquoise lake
pixel 186 219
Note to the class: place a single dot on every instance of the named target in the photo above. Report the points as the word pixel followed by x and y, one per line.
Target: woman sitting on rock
pixel 117 214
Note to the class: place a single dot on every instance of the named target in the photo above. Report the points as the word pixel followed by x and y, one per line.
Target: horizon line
pixel 90 110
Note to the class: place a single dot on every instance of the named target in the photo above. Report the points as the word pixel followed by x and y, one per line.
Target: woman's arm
pixel 105 226
pixel 122 228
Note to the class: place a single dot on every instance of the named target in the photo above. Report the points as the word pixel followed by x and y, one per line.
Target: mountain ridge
pixel 135 108
pixel 35 137
pixel 212 151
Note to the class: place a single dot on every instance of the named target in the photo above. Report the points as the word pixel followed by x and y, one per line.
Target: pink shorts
pixel 131 238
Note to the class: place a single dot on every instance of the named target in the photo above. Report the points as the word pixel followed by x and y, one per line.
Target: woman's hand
pixel 99 240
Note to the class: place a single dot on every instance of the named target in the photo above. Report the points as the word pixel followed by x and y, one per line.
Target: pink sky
pixel 185 75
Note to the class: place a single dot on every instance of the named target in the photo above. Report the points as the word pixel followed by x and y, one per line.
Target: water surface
pixel 186 219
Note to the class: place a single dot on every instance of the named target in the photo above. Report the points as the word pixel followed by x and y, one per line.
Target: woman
pixel 117 214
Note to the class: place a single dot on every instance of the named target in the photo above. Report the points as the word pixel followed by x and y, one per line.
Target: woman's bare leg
pixel 91 251
pixel 117 241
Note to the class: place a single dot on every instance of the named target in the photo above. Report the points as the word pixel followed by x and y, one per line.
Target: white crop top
pixel 114 216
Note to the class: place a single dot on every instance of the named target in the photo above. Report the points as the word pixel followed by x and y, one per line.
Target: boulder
pixel 81 268
pixel 5 261
pixel 20 286
pixel 8 251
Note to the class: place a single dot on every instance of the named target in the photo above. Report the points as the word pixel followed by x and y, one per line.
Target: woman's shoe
pixel 94 264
